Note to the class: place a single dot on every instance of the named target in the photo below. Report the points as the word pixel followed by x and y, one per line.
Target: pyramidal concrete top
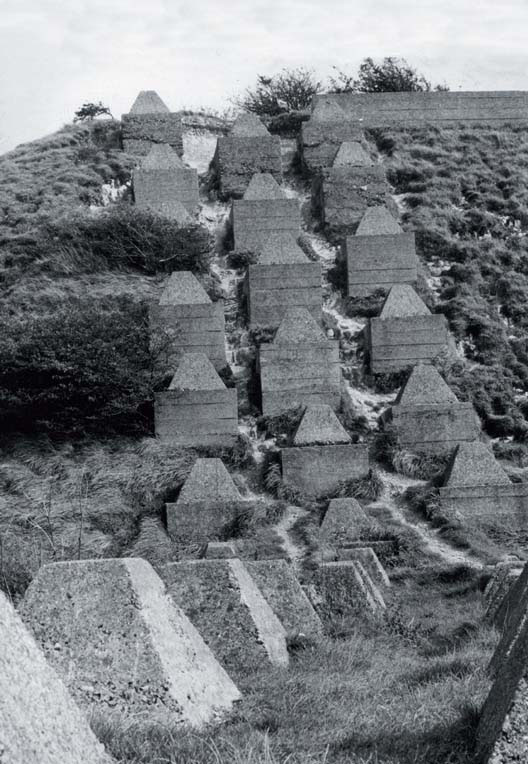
pixel 474 464
pixel 320 425
pixel 40 722
pixel 352 154
pixel 248 125
pixel 328 110
pixel 280 248
pixel 402 302
pixel 149 102
pixel 208 481
pixel 376 221
pixel 263 186
pixel 298 326
pixel 425 386
pixel 162 157
pixel 183 288
pixel 196 372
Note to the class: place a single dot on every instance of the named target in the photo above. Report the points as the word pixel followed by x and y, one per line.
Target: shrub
pixel 241 259
pixel 389 75
pixel 290 90
pixel 369 488
pixel 85 367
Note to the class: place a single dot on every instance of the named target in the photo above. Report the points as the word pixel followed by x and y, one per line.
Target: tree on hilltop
pixel 90 111
pixel 290 90
pixel 391 74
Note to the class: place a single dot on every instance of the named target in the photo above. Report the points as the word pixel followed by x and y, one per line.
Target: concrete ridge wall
pixel 484 107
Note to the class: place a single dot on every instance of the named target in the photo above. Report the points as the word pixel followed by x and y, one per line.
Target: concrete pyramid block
pixel 345 521
pixel 326 109
pixel 197 409
pixel 280 587
pixel 379 261
pixel 263 187
pixel 301 366
pixel 325 131
pixel 405 333
pixel 477 489
pixel 149 102
pixel 319 425
pixel 162 157
pixel 226 606
pixel 378 221
pixel 352 154
pixel 248 125
pixel 163 180
pixel 39 722
pixel 208 503
pixel 280 248
pixel 345 589
pixel 220 550
pixel 185 320
pixel 174 210
pixel 112 633
pixel 264 210
pixel 369 559
pixel 428 417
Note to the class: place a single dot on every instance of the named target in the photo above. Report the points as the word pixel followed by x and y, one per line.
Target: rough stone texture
pixel 323 134
pixel 501 594
pixel 301 366
pixel 224 603
pixel 435 108
pixel 318 470
pixel 345 520
pixel 368 558
pixel 428 417
pixel 39 722
pixel 187 321
pixel 345 589
pixel 282 278
pixel 163 179
pixel 378 262
pixel 405 333
pixel 264 209
pixel 280 587
pixel 319 425
pixel 477 489
pixel 173 210
pixel 378 221
pixel 197 409
pixel 150 122
pixel 110 630
pixel 220 550
pixel 352 154
pixel 341 195
pixel 501 735
pixel 248 149
pixel 207 504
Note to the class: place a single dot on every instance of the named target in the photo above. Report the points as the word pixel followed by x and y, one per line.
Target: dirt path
pixel 291 515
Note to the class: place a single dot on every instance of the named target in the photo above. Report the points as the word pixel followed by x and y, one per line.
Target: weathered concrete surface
pixel 248 149
pixel 341 195
pixel 224 603
pixel 369 559
pixel 405 333
pixel 378 221
pixel 283 278
pixel 150 122
pixel 264 209
pixel 427 415
pixel 323 134
pixel 208 503
pixel 301 366
pixel 220 550
pixel 501 593
pixel 110 630
pixel 280 587
pixel 477 490
pixel 378 262
pixel 39 722
pixel 345 520
pixel 322 455
pixel 186 321
pixel 346 589
pixel 163 179
pixel 435 108
pixel 197 409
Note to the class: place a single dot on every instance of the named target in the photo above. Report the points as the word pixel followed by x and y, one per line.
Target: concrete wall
pixel 154 186
pixel 506 504
pixel 340 196
pixel 379 261
pixel 294 375
pixel 435 428
pixel 319 142
pixel 198 522
pixel 253 218
pixel 237 159
pixel 481 107
pixel 318 470
pixel 140 131
pixel 196 417
pixel 272 289
pixel 194 328
pixel 398 343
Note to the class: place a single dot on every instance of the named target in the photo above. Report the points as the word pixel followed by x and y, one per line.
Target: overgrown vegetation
pixel 289 90
pixel 390 74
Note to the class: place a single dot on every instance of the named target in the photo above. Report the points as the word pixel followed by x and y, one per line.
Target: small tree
pixel 390 75
pixel 290 90
pixel 90 111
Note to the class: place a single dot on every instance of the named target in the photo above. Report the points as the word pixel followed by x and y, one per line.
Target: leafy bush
pixel 90 111
pixel 389 75
pixel 85 367
pixel 290 90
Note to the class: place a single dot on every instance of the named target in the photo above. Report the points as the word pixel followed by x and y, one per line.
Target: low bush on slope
pixel 466 194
